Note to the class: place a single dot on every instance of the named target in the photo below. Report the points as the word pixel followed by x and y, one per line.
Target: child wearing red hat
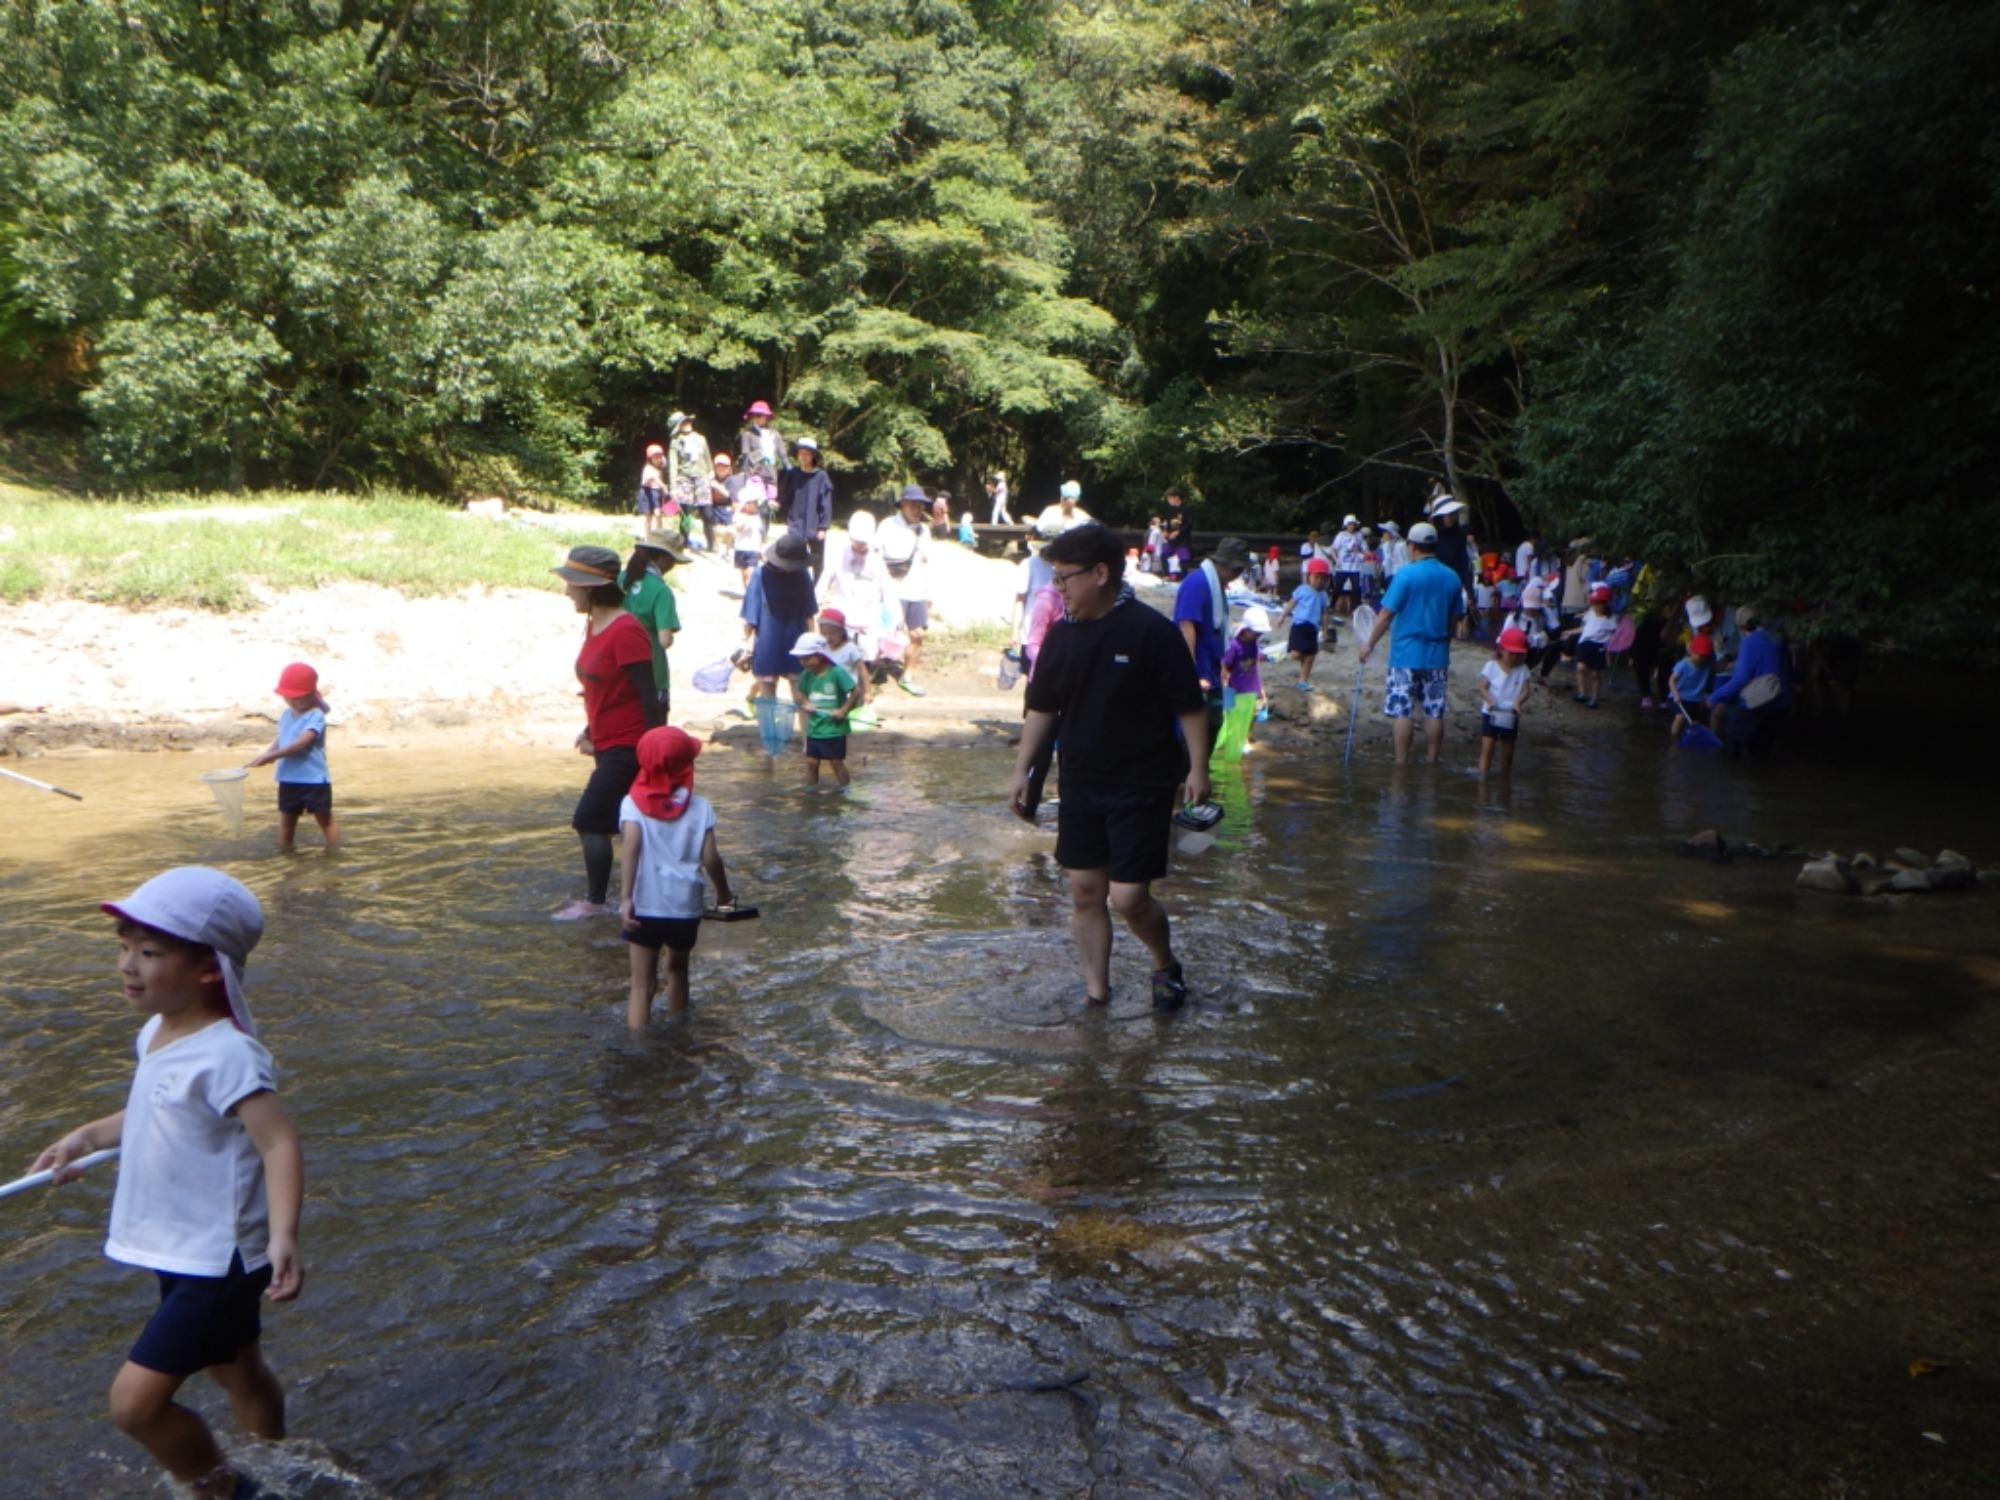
pixel 1504 685
pixel 669 838
pixel 299 750
pixel 1306 609
pixel 1591 637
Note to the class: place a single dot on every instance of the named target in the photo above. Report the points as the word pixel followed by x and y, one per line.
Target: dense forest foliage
pixel 1713 283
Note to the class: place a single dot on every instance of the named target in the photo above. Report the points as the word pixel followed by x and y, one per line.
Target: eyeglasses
pixel 1063 578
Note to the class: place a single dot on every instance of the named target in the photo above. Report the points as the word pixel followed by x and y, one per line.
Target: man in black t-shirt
pixel 1114 678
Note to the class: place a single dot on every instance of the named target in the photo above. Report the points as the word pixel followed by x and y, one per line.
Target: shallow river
pixel 892 1216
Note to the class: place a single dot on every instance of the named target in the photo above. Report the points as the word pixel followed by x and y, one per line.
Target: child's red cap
pixel 297 681
pixel 1318 565
pixel 1701 645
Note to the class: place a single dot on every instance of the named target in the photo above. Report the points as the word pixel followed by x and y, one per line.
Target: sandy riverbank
pixel 494 666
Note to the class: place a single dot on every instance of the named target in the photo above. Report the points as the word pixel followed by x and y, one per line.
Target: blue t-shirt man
pixel 1194 604
pixel 1424 598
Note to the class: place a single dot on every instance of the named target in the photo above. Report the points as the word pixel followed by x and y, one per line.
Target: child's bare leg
pixel 812 770
pixel 143 1406
pixel 645 979
pixel 1306 664
pixel 256 1399
pixel 839 772
pixel 677 981
pixel 288 829
pixel 1485 752
pixel 328 828
pixel 1506 756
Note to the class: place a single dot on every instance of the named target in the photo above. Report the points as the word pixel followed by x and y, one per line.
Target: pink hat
pixel 296 681
pixel 833 617
pixel 1599 591
pixel 758 409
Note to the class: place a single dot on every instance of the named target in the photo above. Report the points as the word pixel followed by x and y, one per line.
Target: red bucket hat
pixel 666 772
pixel 296 681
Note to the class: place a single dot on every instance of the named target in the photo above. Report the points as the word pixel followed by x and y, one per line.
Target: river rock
pixel 1910 882
pixel 1952 872
pixel 1913 859
pixel 1708 844
pixel 1829 875
pixel 1875 883
pixel 1864 861
pixel 1989 877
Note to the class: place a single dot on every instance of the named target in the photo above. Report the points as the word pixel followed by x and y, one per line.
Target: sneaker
pixel 1169 987
pixel 909 687
pixel 1578 698
pixel 1590 703
pixel 1645 703
pixel 1307 687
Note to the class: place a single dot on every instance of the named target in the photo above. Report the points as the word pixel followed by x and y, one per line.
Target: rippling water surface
pixel 892 1215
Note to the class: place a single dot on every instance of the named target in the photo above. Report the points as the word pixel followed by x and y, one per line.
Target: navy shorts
pixel 1347 584
pixel 1121 830
pixel 611 778
pixel 831 747
pixel 677 933
pixel 1590 654
pixel 203 1320
pixel 746 559
pixel 315 797
pixel 916 614
pixel 649 502
pixel 1303 641
pixel 1488 730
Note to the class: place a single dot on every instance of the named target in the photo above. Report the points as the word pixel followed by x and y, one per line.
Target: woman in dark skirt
pixel 779 606
pixel 615 667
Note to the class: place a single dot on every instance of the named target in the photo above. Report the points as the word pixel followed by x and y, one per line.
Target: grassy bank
pixel 208 551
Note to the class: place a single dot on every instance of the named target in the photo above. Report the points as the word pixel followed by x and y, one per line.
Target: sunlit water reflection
pixel 894 1213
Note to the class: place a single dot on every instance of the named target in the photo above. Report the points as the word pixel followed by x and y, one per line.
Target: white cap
pixel 861 527
pixel 806 443
pixel 811 645
pixel 1256 618
pixel 200 905
pixel 1699 614
pixel 1071 490
pixel 1351 521
pixel 1423 534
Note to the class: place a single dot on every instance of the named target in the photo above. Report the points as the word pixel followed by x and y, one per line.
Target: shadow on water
pixel 895 1212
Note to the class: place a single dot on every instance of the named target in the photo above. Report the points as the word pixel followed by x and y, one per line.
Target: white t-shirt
pixel 190 1188
pixel 1350 551
pixel 1507 686
pixel 667 881
pixel 849 659
pixel 749 526
pixel 1053 523
pixel 899 542
pixel 1524 559
pixel 1598 627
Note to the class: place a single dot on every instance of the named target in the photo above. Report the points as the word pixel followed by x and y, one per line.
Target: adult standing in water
pixel 1423 602
pixel 650 600
pixel 688 465
pixel 1748 708
pixel 805 495
pixel 1115 679
pixel 615 667
pixel 906 554
pixel 1201 611
pixel 778 608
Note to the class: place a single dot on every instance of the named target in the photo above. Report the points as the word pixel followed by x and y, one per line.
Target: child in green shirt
pixel 826 693
pixel 650 600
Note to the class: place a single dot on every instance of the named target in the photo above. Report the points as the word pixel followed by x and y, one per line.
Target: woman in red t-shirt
pixel 615 667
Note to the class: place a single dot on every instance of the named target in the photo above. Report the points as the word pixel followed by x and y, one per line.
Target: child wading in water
pixel 1242 674
pixel 1592 636
pixel 1504 684
pixel 300 752
pixel 210 1180
pixel 1693 680
pixel 669 836
pixel 1308 603
pixel 826 693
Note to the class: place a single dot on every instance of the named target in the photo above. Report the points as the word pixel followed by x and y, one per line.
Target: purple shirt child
pixel 1242 667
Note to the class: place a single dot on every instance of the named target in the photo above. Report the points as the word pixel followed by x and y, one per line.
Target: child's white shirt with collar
pixel 667 879
pixel 1507 686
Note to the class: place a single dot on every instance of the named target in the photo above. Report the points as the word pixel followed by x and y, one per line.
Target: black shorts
pixel 747 559
pixel 1121 830
pixel 597 809
pixel 315 797
pixel 1303 641
pixel 677 933
pixel 1590 654
pixel 916 614
pixel 202 1320
pixel 1488 730
pixel 828 747
pixel 1347 583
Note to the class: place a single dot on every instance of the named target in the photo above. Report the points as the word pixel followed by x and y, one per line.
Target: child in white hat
pixel 826 693
pixel 210 1178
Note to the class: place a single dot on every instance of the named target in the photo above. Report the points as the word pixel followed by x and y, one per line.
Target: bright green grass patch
pixel 209 551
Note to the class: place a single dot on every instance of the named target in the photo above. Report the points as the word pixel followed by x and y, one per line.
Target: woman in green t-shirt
pixel 650 600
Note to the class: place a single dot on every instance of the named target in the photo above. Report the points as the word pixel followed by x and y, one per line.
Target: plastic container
pixel 1010 668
